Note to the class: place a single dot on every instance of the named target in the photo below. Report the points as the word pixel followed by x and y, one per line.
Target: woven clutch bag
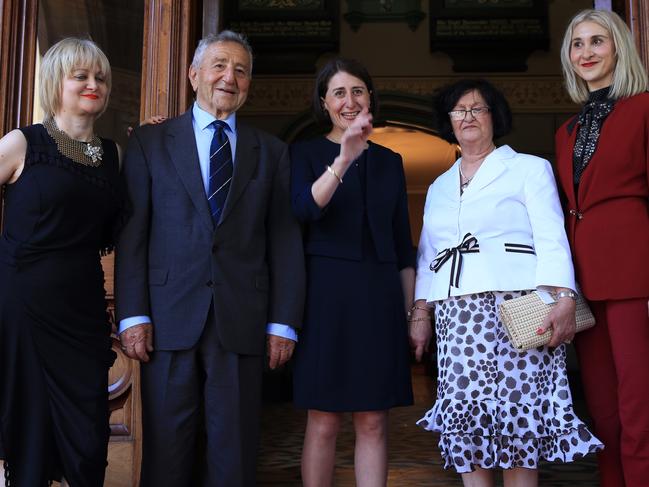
pixel 522 316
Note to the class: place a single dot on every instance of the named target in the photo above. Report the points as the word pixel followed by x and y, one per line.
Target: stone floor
pixel 414 457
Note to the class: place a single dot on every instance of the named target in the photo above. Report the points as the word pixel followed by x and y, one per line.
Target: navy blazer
pixel 336 230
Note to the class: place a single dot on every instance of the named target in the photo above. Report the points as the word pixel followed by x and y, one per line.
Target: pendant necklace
pixel 465 184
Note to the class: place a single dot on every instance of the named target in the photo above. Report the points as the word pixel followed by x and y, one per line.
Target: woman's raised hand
pixel 354 140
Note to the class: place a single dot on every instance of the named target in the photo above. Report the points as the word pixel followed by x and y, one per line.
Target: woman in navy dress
pixel 353 353
pixel 61 208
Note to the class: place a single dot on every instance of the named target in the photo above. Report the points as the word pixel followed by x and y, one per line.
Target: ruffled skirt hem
pixel 523 441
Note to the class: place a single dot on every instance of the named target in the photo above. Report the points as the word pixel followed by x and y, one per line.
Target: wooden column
pixel 169 42
pixel 212 16
pixel 637 14
pixel 18 29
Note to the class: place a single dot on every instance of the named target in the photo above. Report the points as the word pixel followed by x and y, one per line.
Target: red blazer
pixel 607 221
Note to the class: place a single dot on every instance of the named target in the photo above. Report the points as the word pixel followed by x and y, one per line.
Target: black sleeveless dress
pixel 55 348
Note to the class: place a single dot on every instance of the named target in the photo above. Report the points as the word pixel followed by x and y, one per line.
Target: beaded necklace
pixel 85 153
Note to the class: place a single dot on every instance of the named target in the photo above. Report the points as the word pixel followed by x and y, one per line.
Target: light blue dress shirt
pixel 204 131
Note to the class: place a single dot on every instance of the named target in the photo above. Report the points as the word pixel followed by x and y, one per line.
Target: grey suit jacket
pixel 172 262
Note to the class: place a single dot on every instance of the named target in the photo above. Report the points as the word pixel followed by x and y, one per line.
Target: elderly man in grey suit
pixel 209 263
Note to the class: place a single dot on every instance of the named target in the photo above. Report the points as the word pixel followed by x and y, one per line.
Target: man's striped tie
pixel 221 168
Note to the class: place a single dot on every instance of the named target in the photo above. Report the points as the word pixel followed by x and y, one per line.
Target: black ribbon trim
pixel 469 245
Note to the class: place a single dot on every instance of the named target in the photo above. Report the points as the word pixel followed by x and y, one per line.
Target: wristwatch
pixel 566 294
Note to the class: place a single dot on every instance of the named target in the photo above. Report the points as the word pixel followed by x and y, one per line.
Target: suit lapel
pixel 372 176
pixel 245 164
pixel 491 168
pixel 181 145
pixel 567 174
pixel 451 182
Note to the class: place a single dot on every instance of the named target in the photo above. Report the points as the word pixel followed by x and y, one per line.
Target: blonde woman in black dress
pixel 61 207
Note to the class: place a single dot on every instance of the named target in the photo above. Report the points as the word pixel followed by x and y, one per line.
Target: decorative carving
pixel 119 376
pixel 120 381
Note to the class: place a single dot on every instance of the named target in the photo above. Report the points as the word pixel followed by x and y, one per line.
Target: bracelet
pixel 423 318
pixel 566 294
pixel 414 307
pixel 412 310
pixel 332 171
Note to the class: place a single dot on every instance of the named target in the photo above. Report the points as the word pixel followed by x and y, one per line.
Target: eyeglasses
pixel 459 115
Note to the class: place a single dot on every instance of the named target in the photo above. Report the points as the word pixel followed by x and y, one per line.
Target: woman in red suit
pixel 602 164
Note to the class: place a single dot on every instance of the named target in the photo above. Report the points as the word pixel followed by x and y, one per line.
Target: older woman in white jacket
pixel 493 230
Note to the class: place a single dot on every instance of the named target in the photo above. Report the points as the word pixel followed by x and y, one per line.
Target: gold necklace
pixel 86 153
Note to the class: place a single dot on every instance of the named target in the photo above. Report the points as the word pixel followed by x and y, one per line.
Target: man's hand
pixel 137 341
pixel 280 350
pixel 154 120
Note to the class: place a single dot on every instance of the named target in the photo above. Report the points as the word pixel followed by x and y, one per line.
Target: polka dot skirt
pixel 498 407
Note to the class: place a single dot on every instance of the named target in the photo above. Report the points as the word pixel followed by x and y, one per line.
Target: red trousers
pixel 614 363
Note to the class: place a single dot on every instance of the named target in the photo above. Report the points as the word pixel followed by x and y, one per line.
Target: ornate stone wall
pixel 526 94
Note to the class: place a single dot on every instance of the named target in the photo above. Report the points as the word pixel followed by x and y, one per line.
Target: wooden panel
pixel 212 17
pixel 169 41
pixel 637 14
pixel 125 447
pixel 17 62
pixel 18 27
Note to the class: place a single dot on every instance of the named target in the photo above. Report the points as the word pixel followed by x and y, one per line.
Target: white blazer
pixel 505 233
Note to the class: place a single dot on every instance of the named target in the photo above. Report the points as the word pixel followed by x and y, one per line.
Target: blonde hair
pixel 629 75
pixel 61 60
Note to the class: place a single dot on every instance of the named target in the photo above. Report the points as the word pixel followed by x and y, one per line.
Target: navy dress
pixel 353 352
pixel 55 346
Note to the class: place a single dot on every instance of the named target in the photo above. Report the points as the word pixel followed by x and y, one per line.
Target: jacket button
pixel 214 248
pixel 209 283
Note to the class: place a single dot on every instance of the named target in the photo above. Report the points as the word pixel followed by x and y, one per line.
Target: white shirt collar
pixel 204 119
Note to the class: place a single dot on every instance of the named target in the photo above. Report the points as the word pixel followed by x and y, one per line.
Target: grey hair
pixel 223 36
pixel 629 75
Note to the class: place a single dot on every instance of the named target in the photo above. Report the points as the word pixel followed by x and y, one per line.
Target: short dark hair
pixel 446 98
pixel 328 71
